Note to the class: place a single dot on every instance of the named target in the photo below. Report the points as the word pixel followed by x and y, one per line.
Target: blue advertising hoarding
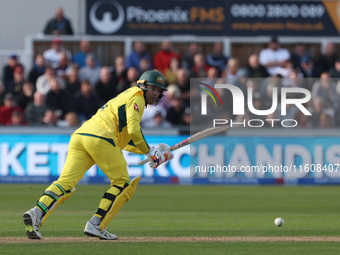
pixel 266 157
pixel 43 156
pixel 213 160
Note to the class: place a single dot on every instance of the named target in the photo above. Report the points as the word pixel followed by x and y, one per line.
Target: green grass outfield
pixel 232 220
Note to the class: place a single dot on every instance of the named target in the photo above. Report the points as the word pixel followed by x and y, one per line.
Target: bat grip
pixel 143 161
pixel 146 161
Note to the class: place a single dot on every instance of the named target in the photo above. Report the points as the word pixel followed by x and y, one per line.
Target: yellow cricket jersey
pixel 118 121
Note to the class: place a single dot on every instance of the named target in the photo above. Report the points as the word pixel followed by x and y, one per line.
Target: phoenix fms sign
pixel 239 105
pixel 118 17
pixel 213 17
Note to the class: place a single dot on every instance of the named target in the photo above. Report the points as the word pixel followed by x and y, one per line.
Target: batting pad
pixel 58 202
pixel 120 200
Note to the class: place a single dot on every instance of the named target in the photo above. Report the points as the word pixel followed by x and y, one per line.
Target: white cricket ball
pixel 279 222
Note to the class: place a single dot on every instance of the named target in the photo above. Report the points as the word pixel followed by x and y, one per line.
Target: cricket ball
pixel 279 222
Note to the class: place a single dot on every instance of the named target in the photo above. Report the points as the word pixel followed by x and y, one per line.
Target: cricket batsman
pixel 115 127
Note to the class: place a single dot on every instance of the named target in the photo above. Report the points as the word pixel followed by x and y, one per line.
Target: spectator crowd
pixel 66 88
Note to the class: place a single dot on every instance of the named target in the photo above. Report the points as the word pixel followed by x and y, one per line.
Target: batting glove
pixel 164 147
pixel 166 150
pixel 159 155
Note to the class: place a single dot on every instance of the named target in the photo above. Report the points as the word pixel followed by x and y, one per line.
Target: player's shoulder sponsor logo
pixel 136 107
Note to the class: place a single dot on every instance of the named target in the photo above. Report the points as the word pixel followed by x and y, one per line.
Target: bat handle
pixel 143 161
pixel 146 161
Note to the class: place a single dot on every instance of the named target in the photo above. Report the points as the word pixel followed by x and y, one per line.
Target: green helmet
pixel 152 77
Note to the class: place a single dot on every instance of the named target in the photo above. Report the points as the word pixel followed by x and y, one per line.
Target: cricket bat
pixel 196 137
